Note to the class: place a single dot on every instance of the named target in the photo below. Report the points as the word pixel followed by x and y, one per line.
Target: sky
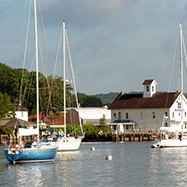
pixel 115 44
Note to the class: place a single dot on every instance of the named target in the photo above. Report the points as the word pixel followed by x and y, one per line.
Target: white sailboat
pixel 176 134
pixel 31 150
pixel 66 142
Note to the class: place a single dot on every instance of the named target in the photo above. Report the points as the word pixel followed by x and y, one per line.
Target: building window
pixel 141 115
pixel 127 115
pixel 153 114
pixel 127 127
pixel 166 114
pixel 179 105
pixel 185 114
pixel 166 124
pixel 119 116
pixel 147 88
pixel 114 115
pixel 173 114
pixel 152 88
pixel 22 114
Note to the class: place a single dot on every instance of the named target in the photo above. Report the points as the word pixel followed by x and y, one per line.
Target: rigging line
pixel 185 57
pixel 30 77
pixel 25 50
pixel 27 91
pixel 74 85
pixel 54 71
pixel 174 56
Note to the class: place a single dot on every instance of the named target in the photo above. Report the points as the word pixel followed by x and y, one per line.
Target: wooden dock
pixel 126 137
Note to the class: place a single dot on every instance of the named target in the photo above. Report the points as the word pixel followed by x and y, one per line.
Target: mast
pixel 181 69
pixel 36 53
pixel 64 74
pixel 181 56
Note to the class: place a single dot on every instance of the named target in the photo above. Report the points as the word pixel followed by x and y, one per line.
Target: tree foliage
pixel 89 101
pixel 19 85
pixel 6 110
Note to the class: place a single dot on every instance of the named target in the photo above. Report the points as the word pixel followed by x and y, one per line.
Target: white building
pixel 21 112
pixel 147 110
pixel 88 115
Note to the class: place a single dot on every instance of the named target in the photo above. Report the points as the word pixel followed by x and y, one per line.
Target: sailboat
pixel 31 151
pixel 176 134
pixel 66 142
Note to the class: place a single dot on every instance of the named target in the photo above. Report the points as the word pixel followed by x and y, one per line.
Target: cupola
pixel 149 87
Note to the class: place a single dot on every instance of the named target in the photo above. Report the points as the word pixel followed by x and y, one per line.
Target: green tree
pixel 89 101
pixel 6 110
pixel 102 121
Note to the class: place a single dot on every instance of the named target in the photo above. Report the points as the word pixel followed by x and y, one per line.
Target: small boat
pixel 176 134
pixel 32 150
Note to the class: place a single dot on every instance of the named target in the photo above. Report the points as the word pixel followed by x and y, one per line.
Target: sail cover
pixel 28 132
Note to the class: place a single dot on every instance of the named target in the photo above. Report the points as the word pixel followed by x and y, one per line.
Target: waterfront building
pixel 148 110
pixel 88 115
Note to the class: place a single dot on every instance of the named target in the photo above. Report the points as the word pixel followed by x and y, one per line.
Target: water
pixel 134 164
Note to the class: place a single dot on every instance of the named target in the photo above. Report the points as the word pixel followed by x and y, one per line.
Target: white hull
pixel 170 143
pixel 69 143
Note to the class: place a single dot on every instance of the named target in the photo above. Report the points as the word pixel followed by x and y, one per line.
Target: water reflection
pixel 168 166
pixel 133 164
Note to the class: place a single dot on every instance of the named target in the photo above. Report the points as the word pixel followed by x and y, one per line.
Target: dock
pixel 125 137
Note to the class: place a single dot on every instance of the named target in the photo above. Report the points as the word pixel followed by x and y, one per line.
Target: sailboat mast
pixel 64 74
pixel 181 56
pixel 36 53
pixel 181 69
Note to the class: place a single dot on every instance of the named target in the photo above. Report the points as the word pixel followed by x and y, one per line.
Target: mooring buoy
pixel 109 157
pixel 92 148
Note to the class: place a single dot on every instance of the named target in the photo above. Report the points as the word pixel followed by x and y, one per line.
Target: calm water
pixel 133 164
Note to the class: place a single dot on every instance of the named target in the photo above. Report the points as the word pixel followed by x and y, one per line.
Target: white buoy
pixel 109 157
pixel 92 148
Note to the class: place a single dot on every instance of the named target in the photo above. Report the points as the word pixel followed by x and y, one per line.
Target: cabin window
pixel 127 115
pixel 114 115
pixel 153 114
pixel 141 115
pixel 147 88
pixel 152 88
pixel 179 105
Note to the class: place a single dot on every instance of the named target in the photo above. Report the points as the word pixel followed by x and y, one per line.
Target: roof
pixel 17 121
pixel 137 101
pixel 148 82
pixel 19 107
pixel 49 118
pixel 94 112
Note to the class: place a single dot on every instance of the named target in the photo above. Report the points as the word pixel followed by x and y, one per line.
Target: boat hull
pixel 69 144
pixel 31 155
pixel 170 143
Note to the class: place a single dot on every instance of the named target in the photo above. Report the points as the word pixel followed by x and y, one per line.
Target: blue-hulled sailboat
pixel 31 151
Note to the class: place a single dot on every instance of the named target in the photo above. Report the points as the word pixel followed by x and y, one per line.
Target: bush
pixel 6 130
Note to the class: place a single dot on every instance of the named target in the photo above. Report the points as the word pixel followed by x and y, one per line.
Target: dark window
pixel 147 88
pixel 127 115
pixel 114 115
pixel 153 114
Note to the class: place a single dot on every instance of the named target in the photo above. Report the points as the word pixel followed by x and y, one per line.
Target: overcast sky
pixel 115 44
